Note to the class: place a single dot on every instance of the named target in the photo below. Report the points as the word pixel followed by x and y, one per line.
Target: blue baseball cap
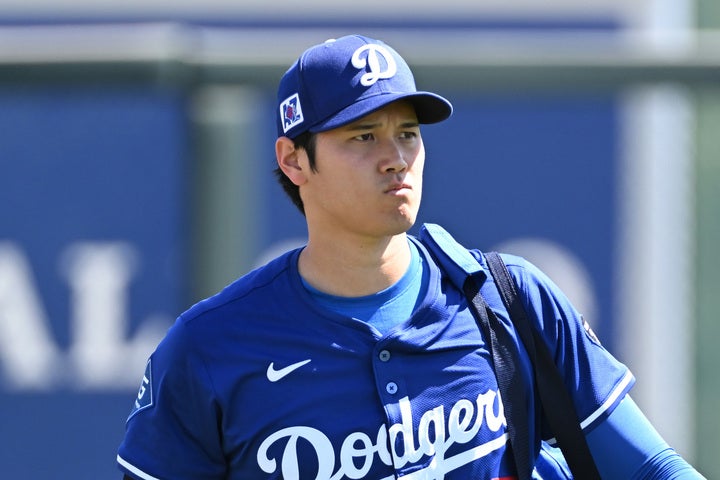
pixel 344 79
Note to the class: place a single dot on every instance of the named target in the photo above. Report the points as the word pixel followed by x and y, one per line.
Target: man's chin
pixel 403 224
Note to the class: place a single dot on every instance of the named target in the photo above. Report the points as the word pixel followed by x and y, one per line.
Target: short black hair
pixel 307 142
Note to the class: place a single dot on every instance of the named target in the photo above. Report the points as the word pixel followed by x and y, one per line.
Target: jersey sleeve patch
pixel 145 393
pixel 589 332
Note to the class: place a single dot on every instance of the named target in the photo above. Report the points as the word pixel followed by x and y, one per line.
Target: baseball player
pixel 356 356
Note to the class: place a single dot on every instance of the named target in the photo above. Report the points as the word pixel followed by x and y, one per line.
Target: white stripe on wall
pixel 654 318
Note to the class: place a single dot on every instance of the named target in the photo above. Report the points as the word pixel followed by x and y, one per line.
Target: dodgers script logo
pixel 291 112
pixel 369 56
pixel 398 445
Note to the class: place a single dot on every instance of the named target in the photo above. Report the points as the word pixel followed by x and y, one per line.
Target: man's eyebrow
pixel 361 126
pixel 370 125
pixel 410 124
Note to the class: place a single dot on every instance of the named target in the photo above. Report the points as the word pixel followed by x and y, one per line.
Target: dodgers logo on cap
pixel 361 60
pixel 291 112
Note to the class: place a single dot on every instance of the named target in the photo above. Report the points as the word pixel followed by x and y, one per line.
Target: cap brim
pixel 429 107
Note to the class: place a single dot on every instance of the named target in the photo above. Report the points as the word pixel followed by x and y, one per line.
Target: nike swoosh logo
pixel 274 375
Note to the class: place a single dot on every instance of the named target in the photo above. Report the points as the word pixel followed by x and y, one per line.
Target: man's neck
pixel 354 270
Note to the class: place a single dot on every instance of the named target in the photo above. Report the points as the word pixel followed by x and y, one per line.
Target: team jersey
pixel 262 382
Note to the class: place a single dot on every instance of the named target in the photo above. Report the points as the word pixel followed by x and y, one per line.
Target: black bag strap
pixel 557 405
pixel 466 273
pixel 511 384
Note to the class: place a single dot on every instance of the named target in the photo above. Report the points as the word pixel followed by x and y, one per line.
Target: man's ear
pixel 291 160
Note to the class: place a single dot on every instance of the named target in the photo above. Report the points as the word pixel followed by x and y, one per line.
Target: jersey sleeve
pixel 173 427
pixel 596 380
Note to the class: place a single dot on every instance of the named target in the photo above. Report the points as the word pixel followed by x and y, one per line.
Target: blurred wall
pixel 707 278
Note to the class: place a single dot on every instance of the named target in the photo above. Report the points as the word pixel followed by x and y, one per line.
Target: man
pixel 356 356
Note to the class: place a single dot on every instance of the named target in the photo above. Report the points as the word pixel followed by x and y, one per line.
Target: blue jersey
pixel 260 382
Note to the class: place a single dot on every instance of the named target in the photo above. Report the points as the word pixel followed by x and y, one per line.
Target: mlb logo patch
pixel 291 112
pixel 145 394
pixel 589 331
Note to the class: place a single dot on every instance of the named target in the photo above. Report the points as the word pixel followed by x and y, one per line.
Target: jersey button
pixel 384 356
pixel 391 388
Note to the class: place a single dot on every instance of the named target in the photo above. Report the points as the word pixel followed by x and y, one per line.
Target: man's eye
pixel 365 137
pixel 408 135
